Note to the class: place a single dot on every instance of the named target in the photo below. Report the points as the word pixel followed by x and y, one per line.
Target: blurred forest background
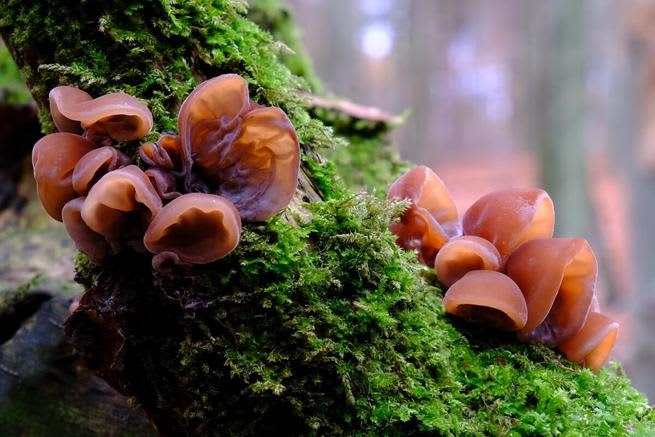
pixel 552 93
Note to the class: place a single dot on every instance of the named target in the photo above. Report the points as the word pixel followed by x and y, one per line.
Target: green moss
pixel 322 328
pixel 349 338
pixel 12 88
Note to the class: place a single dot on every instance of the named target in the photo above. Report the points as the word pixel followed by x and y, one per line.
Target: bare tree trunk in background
pixel 559 116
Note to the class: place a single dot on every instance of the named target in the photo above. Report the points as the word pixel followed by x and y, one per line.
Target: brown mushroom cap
pixel 426 190
pixel 87 241
pixel 214 104
pixel 557 277
pixel 118 115
pixel 120 205
pixel 593 344
pixel 488 296
pixel 431 220
pixel 509 218
pixel 92 166
pixel 464 254
pixel 194 228
pixel 251 154
pixel 164 182
pixel 165 154
pixel 54 158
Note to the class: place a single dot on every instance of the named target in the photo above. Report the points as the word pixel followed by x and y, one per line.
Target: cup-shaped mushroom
pixel 96 164
pixel 118 116
pixel 54 158
pixel 248 154
pixel 164 154
pixel 489 297
pixel 593 344
pixel 195 228
pixel 87 241
pixel 211 110
pixel 121 205
pixel 509 218
pixel 557 277
pixel 464 254
pixel 426 190
pixel 418 230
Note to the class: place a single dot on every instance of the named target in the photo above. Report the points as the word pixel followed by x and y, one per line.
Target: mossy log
pixel 318 324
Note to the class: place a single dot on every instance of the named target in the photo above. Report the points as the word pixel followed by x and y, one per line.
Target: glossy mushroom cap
pixel 120 205
pixel 87 241
pixel 509 218
pixel 117 115
pixel 490 297
pixel 426 190
pixel 593 344
pixel 464 254
pixel 431 220
pixel 165 154
pixel 195 228
pixel 54 158
pixel 250 154
pixel 557 277
pixel 96 164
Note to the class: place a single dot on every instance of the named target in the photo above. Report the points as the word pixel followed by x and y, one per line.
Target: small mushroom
pixel 87 241
pixel 508 218
pixel 592 345
pixel 92 166
pixel 247 153
pixel 118 116
pixel 557 277
pixel 54 158
pixel 195 228
pixel 490 297
pixel 464 254
pixel 431 220
pixel 165 154
pixel 120 206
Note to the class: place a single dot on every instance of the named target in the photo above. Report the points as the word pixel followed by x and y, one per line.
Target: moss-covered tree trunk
pixel 317 323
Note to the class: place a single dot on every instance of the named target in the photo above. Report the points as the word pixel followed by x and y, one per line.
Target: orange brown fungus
pixel 119 116
pixel 464 254
pixel 592 345
pixel 509 218
pixel 490 297
pixel 87 241
pixel 195 228
pixel 431 219
pixel 54 158
pixel 557 277
pixel 247 153
pixel 120 206
pixel 164 154
pixel 94 165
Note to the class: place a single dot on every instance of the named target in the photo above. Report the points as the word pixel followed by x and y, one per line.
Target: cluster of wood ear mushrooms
pixel 232 161
pixel 503 267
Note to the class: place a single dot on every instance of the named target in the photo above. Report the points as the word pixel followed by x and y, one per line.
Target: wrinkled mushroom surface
pixel 464 254
pixel 54 158
pixel 592 345
pixel 490 297
pixel 508 218
pixel 249 154
pixel 166 154
pixel 557 277
pixel 121 205
pixel 195 228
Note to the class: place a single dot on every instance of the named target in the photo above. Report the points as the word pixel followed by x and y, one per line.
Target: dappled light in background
pixel 550 93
